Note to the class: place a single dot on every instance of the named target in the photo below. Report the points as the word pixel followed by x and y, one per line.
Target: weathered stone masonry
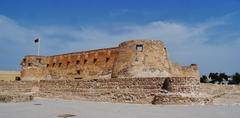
pixel 131 59
pixel 137 71
pixel 123 90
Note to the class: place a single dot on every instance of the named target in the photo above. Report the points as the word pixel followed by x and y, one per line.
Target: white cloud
pixel 186 43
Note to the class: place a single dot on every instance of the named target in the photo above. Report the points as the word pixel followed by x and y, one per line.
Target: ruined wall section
pixel 184 71
pixel 88 65
pixel 33 67
pixel 18 87
pixel 122 90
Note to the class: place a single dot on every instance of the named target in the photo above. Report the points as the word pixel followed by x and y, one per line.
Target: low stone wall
pixel 181 84
pixel 16 97
pixel 134 90
pixel 18 91
pixel 17 87
pixel 174 98
pixel 138 90
pixel 214 90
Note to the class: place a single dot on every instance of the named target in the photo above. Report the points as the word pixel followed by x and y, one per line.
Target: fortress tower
pixel 141 58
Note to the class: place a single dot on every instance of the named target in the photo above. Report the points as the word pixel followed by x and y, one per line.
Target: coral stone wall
pixel 127 90
pixel 137 90
pixel 123 90
pixel 182 84
pixel 16 87
pixel 87 65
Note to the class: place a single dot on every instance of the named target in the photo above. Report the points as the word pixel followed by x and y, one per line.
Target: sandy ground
pixel 230 98
pixel 45 108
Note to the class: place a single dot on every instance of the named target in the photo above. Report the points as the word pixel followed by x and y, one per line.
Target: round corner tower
pixel 141 58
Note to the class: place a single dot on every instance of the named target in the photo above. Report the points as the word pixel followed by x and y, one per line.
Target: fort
pixel 131 59
pixel 137 71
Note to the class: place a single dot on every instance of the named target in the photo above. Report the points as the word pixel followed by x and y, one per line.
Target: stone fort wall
pixel 131 59
pixel 79 65
pixel 123 90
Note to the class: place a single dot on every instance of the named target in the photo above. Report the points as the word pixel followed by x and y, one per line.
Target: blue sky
pixel 195 31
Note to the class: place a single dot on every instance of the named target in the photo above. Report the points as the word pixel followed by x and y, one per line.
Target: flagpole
pixel 38 53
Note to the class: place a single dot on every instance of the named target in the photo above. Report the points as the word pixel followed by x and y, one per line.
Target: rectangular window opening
pixel 38 60
pixel 24 60
pixel 17 78
pixel 94 60
pixel 107 59
pixel 139 47
pixel 60 64
pixel 85 61
pixel 77 62
pixel 53 64
pixel 68 63
pixel 29 64
pixel 77 78
pixel 78 72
